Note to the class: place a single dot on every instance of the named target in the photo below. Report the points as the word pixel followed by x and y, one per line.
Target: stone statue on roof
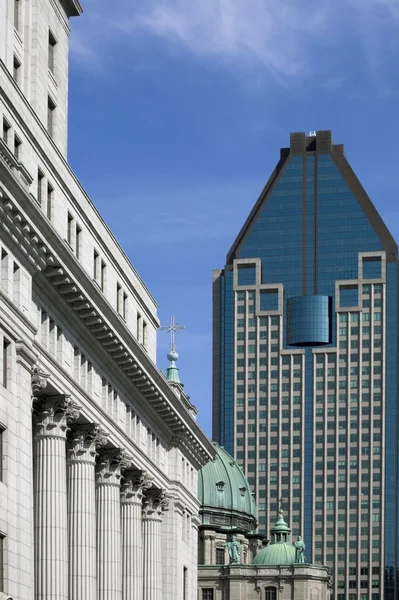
pixel 299 546
pixel 234 549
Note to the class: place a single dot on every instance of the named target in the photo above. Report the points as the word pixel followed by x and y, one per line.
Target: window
pixel 184 583
pixel 51 51
pixel 17 147
pixel 144 334
pixel 1 562
pixel 102 275
pixel 6 360
pixel 78 241
pixel 70 229
pixel 50 116
pixel 6 130
pixel 270 593
pixel 17 15
pixel 50 197
pixel 1 479
pixel 138 327
pixel 16 70
pixel 39 192
pixel 207 594
pixel 220 553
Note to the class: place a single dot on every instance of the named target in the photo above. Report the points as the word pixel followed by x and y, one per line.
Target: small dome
pixel 279 553
pixel 224 489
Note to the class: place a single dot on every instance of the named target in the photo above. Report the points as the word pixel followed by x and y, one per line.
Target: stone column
pixel 110 464
pixel 51 416
pixel 135 484
pixel 155 502
pixel 82 450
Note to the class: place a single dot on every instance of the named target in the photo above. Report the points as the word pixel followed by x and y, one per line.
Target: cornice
pixel 78 291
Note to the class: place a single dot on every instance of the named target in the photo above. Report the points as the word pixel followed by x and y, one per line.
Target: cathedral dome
pixel 225 495
pixel 280 553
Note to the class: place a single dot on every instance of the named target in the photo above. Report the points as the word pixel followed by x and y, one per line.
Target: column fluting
pixel 110 464
pixel 84 440
pixel 155 502
pixel 51 416
pixel 134 485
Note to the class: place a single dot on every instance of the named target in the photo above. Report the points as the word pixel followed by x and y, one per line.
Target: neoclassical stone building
pixel 99 452
pixel 236 563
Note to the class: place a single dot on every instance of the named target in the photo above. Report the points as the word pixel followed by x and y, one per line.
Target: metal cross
pixel 171 329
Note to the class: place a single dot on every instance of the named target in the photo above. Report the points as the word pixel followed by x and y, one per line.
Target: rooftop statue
pixel 234 549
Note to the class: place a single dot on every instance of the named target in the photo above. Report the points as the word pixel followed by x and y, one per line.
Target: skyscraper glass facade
pixel 306 346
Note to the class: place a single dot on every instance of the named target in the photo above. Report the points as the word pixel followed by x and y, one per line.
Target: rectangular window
pixel 220 554
pixel 17 14
pixel 70 229
pixel 39 191
pixel 1 479
pixel 102 275
pixel 124 306
pixel 119 299
pixel 6 361
pixel 16 70
pixel 144 334
pixel 50 116
pixel 78 241
pixel 1 562
pixel 17 147
pixel 184 583
pixel 207 594
pixel 50 197
pixel 51 52
pixel 6 131
pixel 138 327
pixel 16 280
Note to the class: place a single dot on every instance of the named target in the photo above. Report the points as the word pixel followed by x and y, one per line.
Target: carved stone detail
pixel 84 441
pixel 110 466
pixel 52 415
pixel 155 502
pixel 135 484
pixel 38 379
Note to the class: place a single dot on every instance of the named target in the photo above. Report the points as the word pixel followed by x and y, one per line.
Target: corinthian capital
pixel 155 502
pixel 38 379
pixel 135 484
pixel 110 466
pixel 53 415
pixel 84 441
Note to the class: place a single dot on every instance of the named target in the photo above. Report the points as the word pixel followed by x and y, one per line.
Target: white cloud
pixel 285 37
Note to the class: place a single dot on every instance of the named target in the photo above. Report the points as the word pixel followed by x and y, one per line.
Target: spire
pixel 280 532
pixel 173 371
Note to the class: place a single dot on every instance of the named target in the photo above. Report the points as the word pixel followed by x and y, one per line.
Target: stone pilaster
pixel 51 417
pixel 110 464
pixel 154 504
pixel 135 484
pixel 83 441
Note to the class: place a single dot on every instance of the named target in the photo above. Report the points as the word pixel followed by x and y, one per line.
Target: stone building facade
pixel 99 452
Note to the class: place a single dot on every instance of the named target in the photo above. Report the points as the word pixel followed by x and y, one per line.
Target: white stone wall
pixel 61 196
pixel 28 43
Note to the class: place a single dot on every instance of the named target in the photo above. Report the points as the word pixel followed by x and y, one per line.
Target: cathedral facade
pixel 99 452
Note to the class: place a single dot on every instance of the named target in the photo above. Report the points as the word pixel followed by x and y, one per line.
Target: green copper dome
pixel 225 495
pixel 280 551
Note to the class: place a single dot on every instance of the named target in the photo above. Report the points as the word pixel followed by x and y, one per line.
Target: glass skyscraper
pixel 306 365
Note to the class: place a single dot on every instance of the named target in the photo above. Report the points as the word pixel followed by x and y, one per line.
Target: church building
pixel 235 562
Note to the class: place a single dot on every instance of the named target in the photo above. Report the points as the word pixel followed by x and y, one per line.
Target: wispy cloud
pixel 287 39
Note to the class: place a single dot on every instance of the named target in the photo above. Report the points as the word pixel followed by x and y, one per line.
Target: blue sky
pixel 178 109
